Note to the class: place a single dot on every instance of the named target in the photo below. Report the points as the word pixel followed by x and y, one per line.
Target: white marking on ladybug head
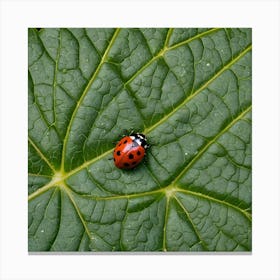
pixel 138 141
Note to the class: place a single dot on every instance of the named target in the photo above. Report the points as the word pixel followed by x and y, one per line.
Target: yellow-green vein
pixel 211 198
pixel 168 35
pixel 43 157
pixel 190 97
pixel 166 49
pixel 165 224
pixel 68 192
pixel 85 164
pixel 213 140
pixel 103 59
pixel 191 222
pixel 194 38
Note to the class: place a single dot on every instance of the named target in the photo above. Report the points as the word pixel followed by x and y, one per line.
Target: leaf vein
pixel 191 222
pixel 190 97
pixel 83 96
pixel 43 157
pixel 213 140
pixel 211 198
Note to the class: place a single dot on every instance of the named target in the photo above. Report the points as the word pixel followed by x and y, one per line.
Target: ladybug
pixel 130 151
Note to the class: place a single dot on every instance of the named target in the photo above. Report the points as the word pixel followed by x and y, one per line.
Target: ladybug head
pixel 141 139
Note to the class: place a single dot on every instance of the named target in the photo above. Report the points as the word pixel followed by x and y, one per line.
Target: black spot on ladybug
pixel 130 156
pixel 114 159
pixel 125 141
pixel 118 153
pixel 138 153
pixel 134 162
pixel 126 164
pixel 120 144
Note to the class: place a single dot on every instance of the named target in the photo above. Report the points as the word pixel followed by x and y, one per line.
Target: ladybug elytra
pixel 130 151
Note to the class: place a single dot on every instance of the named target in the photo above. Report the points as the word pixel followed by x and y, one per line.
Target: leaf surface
pixel 188 91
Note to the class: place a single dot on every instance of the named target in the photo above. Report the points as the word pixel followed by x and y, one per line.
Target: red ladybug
pixel 130 151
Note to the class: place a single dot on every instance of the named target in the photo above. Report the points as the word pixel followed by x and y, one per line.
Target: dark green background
pixel 188 90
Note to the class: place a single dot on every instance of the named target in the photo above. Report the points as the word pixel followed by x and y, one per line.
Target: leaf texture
pixel 188 90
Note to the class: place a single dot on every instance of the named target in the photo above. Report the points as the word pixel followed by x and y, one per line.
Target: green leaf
pixel 188 90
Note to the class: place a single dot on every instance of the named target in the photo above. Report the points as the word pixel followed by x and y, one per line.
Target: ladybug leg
pixel 131 131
